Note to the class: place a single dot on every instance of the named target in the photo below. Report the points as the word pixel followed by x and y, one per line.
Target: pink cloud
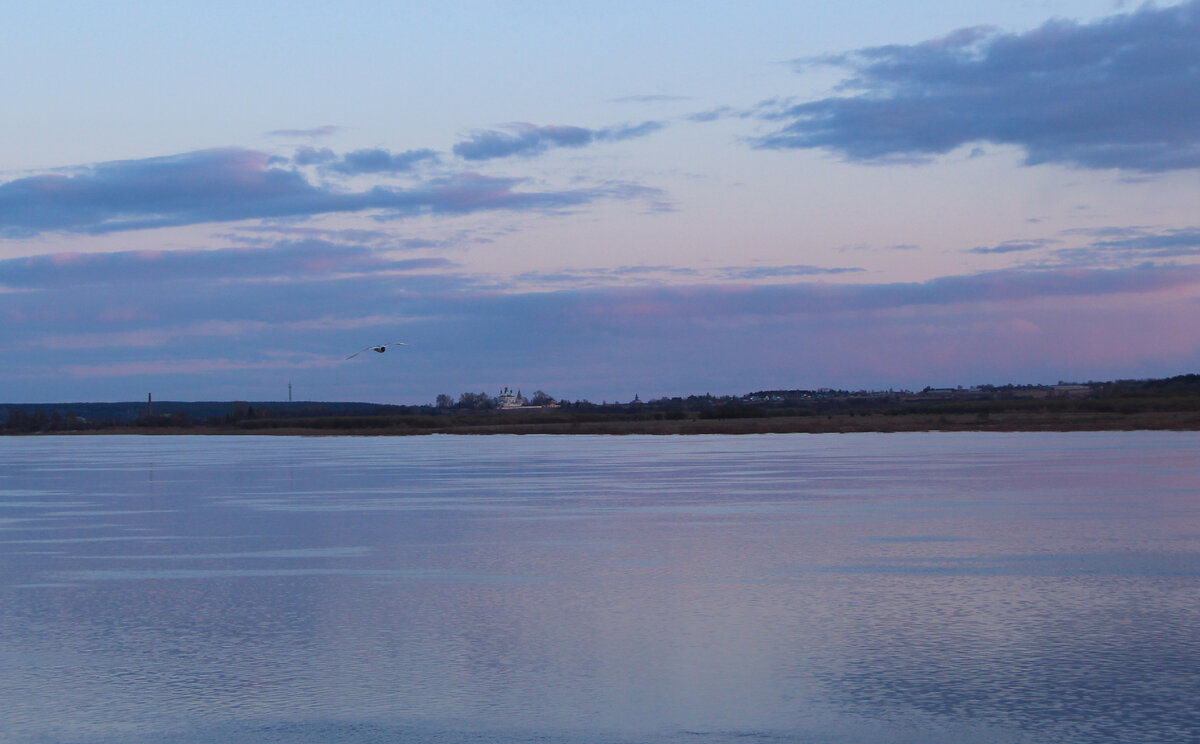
pixel 189 366
pixel 66 259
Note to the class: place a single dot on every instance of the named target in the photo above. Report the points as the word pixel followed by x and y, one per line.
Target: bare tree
pixel 540 399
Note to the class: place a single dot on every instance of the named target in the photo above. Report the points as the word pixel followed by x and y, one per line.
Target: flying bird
pixel 380 348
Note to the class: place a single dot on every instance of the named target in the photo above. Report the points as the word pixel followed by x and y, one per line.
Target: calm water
pixel 789 588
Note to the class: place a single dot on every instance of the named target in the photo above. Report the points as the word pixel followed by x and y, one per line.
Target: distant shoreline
pixel 840 423
pixel 1167 404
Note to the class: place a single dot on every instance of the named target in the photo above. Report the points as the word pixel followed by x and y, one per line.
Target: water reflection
pixel 855 588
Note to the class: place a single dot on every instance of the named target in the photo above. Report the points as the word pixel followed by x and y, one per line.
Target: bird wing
pixel 376 347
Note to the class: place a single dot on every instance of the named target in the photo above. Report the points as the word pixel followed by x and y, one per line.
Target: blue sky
pixel 209 200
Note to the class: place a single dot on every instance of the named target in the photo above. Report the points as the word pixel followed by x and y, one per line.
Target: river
pixel 856 588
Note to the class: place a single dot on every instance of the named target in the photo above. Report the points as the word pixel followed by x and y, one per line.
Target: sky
pixel 214 200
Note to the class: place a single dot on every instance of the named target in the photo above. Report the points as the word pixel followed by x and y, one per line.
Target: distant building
pixel 508 399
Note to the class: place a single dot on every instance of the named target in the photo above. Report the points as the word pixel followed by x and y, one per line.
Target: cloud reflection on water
pixel 857 588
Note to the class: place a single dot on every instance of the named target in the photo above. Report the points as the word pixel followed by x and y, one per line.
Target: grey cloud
pixel 357 162
pixel 768 272
pixel 202 186
pixel 698 337
pixel 1124 246
pixel 603 276
pixel 103 307
pixel 1169 243
pixel 491 144
pixel 709 301
pixel 313 156
pixel 652 274
pixel 1013 246
pixel 379 161
pixel 720 112
pixel 1133 245
pixel 527 139
pixel 324 131
pixel 600 308
pixel 260 234
pixel 627 131
pixel 287 260
pixel 1024 284
pixel 232 184
pixel 710 115
pixel 472 192
pixel 1123 92
pixel 414 243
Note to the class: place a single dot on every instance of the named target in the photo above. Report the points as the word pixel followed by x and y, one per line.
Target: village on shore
pixel 1169 403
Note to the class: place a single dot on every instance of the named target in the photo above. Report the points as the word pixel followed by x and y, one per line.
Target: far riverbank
pixel 806 424
pixel 1169 404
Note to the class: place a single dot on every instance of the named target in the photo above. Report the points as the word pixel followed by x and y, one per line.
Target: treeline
pixel 445 411
pixel 22 421
pixel 65 417
pixel 485 402
pixel 1175 395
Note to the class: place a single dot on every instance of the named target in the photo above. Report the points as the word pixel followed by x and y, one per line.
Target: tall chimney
pixel 149 406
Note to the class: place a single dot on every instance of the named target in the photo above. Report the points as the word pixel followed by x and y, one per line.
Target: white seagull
pixel 380 348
